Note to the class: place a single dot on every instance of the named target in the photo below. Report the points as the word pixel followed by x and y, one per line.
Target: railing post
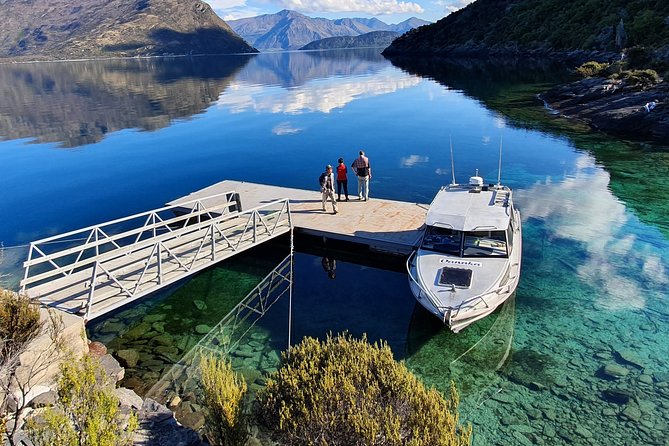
pixel 25 273
pixel 160 263
pixel 213 244
pixel 255 223
pixel 91 292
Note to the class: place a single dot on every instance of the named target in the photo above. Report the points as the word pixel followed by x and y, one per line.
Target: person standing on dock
pixel 342 179
pixel 327 187
pixel 364 173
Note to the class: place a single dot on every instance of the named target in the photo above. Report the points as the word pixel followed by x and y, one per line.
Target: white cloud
pixel 452 5
pixel 226 4
pixel 284 128
pixel 411 160
pixel 373 7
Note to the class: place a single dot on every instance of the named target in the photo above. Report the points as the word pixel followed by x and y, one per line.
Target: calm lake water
pixel 87 142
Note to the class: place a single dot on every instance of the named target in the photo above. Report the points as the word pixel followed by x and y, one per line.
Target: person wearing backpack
pixel 327 182
pixel 364 173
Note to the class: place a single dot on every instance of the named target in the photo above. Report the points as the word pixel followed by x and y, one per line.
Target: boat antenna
pixel 453 183
pixel 499 168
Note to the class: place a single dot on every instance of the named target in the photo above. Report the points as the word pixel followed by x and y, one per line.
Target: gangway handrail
pixel 121 251
pixel 113 238
pixel 131 217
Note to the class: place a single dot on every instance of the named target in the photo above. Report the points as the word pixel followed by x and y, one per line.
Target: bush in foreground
pixel 347 392
pixel 87 411
pixel 224 393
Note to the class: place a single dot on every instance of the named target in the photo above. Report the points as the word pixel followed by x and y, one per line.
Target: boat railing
pixel 433 299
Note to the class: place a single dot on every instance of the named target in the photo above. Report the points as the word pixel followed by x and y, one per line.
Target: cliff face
pixel 61 29
pixel 541 26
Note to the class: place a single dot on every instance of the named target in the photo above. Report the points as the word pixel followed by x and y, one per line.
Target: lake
pixel 87 142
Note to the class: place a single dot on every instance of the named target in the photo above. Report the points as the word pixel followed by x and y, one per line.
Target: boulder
pixel 97 349
pixel 128 398
pixel 112 367
pixel 614 371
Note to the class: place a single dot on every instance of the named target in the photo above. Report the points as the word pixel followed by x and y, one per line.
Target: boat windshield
pixel 442 240
pixel 485 244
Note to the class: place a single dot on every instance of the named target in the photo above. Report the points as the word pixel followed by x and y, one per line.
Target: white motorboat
pixel 468 262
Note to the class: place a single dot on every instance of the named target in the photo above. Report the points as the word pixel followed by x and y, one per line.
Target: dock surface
pixel 383 225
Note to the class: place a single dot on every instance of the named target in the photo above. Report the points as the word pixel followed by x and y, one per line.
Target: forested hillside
pixel 543 25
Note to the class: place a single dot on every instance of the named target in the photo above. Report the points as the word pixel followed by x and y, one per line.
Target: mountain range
pixel 288 30
pixel 542 27
pixel 60 29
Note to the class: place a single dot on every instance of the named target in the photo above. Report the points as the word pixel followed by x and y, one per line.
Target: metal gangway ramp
pixel 94 270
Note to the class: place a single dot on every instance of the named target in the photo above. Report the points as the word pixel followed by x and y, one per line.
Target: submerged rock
pixel 618 396
pixel 128 357
pixel 630 357
pixel 614 371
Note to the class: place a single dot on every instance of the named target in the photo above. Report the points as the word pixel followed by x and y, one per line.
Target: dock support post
pixel 290 284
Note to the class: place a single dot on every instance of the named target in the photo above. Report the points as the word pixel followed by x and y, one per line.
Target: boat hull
pixel 462 314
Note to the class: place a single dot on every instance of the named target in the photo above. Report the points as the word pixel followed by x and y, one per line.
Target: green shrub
pixel 19 321
pixel 592 69
pixel 87 411
pixel 347 392
pixel 224 393
pixel 642 78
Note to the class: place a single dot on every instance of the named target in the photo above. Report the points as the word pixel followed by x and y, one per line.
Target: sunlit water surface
pixel 88 142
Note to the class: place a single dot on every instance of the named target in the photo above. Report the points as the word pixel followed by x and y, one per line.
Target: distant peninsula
pixel 579 29
pixel 56 29
pixel 375 39
pixel 290 30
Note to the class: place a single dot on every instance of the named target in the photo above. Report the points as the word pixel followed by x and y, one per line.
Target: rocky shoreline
pixel 615 107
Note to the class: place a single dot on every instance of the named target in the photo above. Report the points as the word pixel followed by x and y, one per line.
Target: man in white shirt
pixel 363 171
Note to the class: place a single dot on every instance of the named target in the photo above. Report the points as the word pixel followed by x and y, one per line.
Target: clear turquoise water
pixel 88 142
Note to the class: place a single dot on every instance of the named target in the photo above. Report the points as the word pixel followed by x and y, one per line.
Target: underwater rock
pixel 112 328
pixel 583 432
pixel 137 331
pixel 202 329
pixel 549 431
pixel 199 304
pixel 164 339
pixel 159 327
pixel 127 357
pixel 502 398
pixel 151 318
pixel 549 414
pixel 632 413
pixel 618 396
pixel 646 379
pixel 614 371
pixel 630 357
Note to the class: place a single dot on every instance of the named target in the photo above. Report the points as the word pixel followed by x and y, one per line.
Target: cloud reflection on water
pixel 581 208
pixel 317 96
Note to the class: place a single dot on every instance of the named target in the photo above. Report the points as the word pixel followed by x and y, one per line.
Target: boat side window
pixel 442 240
pixel 485 244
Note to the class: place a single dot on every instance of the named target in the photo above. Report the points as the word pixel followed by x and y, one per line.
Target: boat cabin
pixel 473 220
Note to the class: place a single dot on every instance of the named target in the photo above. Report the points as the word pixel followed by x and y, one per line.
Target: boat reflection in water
pixel 472 358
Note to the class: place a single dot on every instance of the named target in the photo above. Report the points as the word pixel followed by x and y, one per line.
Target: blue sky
pixel 390 11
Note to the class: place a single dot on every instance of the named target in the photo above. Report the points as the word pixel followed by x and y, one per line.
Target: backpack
pixel 321 179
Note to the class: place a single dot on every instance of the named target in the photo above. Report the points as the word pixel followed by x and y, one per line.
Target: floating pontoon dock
pixel 383 225
pixel 95 270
